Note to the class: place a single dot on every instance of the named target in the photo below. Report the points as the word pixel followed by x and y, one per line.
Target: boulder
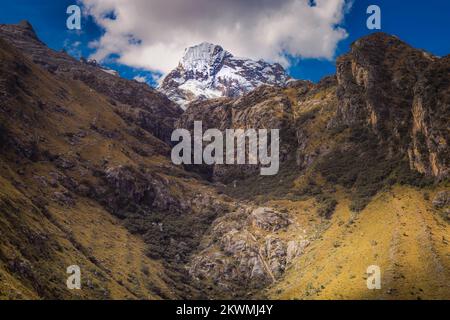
pixel 441 200
pixel 269 219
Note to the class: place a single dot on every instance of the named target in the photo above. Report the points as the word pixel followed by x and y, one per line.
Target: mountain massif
pixel 86 179
pixel 208 71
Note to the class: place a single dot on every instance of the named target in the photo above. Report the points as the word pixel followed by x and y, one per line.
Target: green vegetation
pixel 327 205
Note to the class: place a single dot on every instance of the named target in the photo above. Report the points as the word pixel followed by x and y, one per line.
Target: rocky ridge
pixel 134 101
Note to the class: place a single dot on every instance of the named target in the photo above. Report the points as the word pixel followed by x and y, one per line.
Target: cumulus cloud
pixel 152 34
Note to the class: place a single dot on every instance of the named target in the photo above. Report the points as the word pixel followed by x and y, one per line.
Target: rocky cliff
pixel 402 95
pixel 379 89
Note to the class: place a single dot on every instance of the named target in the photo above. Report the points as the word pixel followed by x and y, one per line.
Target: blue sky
pixel 423 24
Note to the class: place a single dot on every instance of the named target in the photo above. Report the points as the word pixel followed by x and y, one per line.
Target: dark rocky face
pixel 392 88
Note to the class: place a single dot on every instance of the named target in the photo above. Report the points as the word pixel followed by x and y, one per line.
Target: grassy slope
pixel 398 231
pixel 112 260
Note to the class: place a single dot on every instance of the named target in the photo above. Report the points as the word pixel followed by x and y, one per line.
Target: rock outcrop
pixel 245 248
pixel 264 108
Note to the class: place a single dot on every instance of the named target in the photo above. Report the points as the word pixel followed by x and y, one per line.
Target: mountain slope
pixel 86 178
pixel 208 71
pixel 82 185
pixel 345 149
pixel 46 228
pixel 398 231
pixel 151 110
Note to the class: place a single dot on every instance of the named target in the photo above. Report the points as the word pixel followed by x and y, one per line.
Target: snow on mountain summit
pixel 208 71
pixel 203 57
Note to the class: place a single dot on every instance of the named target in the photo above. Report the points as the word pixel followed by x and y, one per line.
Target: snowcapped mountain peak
pixel 208 71
pixel 203 56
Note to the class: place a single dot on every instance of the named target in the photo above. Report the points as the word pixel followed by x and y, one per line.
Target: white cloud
pixel 152 34
pixel 157 77
pixel 72 48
